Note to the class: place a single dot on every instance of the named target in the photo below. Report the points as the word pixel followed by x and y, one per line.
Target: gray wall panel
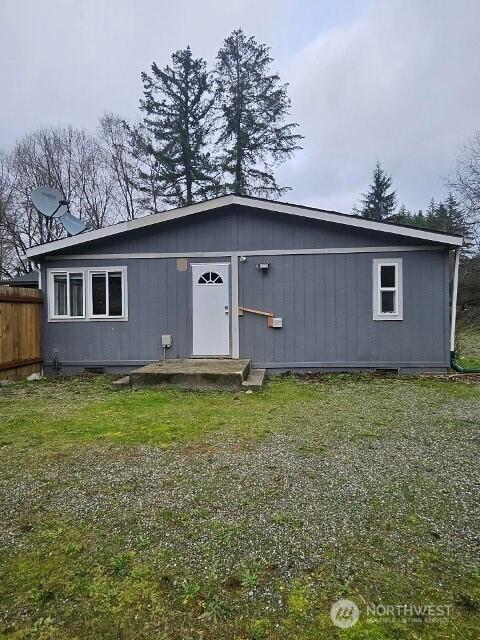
pixel 159 301
pixel 326 305
pixel 325 300
pixel 237 229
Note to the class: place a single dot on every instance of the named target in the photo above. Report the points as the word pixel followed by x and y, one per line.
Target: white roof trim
pixel 209 205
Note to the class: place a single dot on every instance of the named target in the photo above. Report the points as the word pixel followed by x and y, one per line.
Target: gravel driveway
pixel 271 529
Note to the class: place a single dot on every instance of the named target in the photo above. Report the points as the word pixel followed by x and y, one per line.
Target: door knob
pixel 226 311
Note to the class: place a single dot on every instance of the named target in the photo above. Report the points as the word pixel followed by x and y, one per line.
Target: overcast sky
pixel 393 80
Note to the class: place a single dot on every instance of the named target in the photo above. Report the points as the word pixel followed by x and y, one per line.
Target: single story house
pixel 288 286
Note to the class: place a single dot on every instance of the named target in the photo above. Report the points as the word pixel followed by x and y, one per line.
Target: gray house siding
pixel 325 300
pixel 159 302
pixel 240 229
pixel 326 305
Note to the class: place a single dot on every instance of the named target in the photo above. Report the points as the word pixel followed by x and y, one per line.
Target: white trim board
pixel 263 206
pixel 234 317
pixel 87 315
pixel 229 254
pixel 396 289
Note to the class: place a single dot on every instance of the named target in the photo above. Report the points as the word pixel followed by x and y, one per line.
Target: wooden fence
pixel 20 343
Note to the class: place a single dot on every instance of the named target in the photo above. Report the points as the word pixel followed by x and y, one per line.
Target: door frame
pixel 207 266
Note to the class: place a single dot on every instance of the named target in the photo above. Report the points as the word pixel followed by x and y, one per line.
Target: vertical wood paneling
pixel 309 307
pixel 325 300
pixel 326 304
pixel 20 322
pixel 241 229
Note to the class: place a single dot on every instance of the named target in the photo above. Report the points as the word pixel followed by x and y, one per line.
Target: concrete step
pixel 255 379
pixel 192 373
pixel 121 383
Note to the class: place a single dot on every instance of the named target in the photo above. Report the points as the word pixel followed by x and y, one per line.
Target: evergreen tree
pixel 175 132
pixel 379 202
pixel 403 216
pixel 456 220
pixel 253 108
pixel 445 216
pixel 431 219
pixel 417 219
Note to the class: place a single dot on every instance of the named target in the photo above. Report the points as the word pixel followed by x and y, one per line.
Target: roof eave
pixel 276 207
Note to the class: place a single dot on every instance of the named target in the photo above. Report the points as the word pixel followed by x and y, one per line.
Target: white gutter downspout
pixel 453 362
pixel 38 267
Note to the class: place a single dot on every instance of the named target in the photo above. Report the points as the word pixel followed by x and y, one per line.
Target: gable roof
pixel 252 202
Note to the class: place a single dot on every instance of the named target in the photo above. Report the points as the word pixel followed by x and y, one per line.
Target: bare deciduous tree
pixel 8 255
pixel 70 160
pixel 93 182
pixel 147 170
pixel 465 182
pixel 123 165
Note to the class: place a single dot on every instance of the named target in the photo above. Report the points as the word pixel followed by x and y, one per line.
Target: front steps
pixel 200 374
pixel 255 379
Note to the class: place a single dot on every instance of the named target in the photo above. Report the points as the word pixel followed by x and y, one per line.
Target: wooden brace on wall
pixel 269 316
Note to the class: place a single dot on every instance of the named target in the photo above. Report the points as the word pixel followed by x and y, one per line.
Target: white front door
pixel 211 300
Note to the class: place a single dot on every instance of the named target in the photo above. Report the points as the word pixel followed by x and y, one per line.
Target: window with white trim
pixel 87 294
pixel 67 294
pixel 106 293
pixel 387 289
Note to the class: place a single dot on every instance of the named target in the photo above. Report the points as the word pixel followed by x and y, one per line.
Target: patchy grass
pixel 468 338
pixel 242 516
pixel 469 347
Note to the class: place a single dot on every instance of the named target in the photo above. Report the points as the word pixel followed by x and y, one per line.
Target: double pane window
pixel 387 289
pixel 87 294
pixel 107 293
pixel 68 295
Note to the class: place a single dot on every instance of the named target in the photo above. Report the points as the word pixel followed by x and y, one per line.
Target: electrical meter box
pixel 166 341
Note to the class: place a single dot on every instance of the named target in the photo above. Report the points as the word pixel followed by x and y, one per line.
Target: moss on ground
pixel 168 514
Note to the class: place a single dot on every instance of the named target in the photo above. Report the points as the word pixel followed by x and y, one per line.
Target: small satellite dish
pixel 73 225
pixel 51 203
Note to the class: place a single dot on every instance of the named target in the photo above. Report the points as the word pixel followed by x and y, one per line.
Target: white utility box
pixel 166 341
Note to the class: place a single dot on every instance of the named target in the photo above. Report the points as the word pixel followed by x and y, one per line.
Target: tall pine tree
pixel 176 129
pixel 456 221
pixel 379 202
pixel 253 107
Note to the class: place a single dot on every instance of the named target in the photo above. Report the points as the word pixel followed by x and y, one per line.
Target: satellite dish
pixel 51 203
pixel 73 225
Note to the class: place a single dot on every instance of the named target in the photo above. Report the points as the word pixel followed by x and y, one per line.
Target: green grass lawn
pixel 468 345
pixel 176 515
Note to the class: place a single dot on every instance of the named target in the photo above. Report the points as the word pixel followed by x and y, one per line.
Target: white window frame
pixel 88 315
pixel 397 314
pixel 105 271
pixel 51 294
